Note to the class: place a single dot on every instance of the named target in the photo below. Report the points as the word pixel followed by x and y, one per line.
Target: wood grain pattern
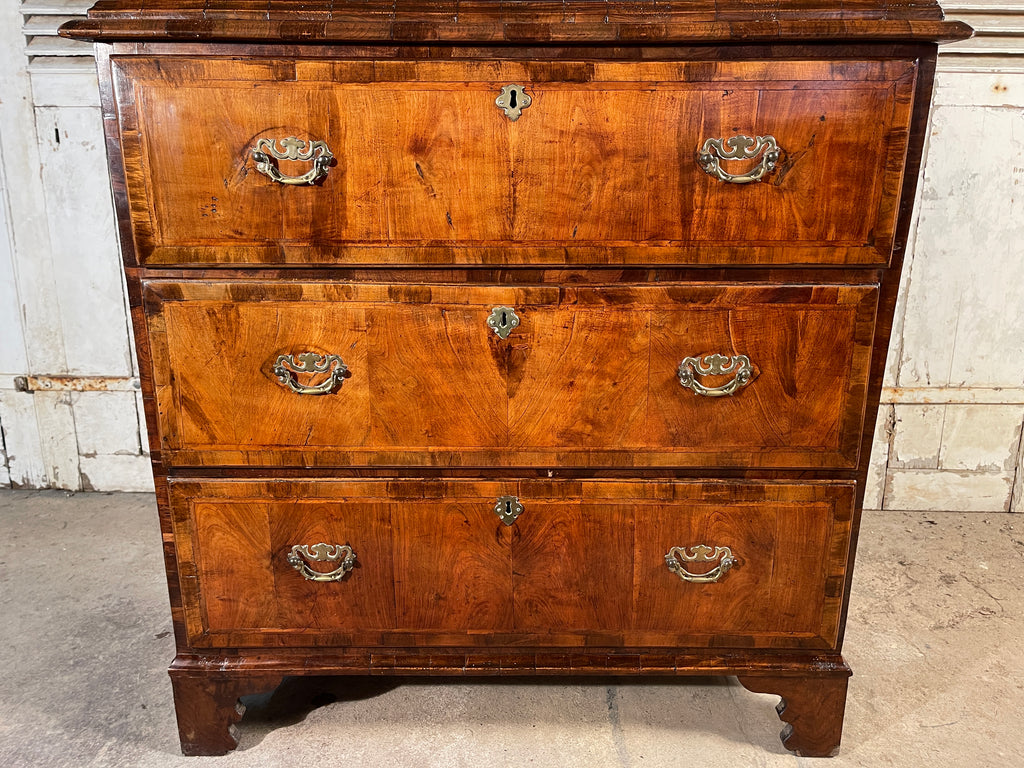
pixel 223 537
pixel 587 551
pixel 424 160
pixel 585 560
pixel 466 662
pixel 812 707
pixel 431 21
pixel 577 377
pixel 765 591
pixel 452 565
pixel 589 378
pixel 207 706
pixel 363 599
pixel 227 516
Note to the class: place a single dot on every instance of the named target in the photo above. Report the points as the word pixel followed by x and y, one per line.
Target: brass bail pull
pixel 692 368
pixel 301 555
pixel 679 558
pixel 739 147
pixel 295 149
pixel 287 368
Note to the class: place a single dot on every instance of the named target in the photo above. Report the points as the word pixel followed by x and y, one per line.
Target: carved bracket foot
pixel 812 707
pixel 208 707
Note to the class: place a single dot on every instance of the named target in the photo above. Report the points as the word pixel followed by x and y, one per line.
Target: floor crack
pixel 614 718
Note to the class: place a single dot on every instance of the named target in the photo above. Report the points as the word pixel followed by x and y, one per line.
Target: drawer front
pixel 668 375
pixel 607 164
pixel 411 563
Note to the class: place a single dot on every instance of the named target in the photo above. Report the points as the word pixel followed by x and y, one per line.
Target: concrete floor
pixel 934 639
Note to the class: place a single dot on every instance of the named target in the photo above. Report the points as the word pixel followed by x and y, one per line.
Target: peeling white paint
pixel 117 473
pixel 964 321
pixel 908 489
pixel 917 436
pixel 981 438
pixel 874 492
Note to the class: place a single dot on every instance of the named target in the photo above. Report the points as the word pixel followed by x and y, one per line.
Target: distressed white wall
pixel 950 435
pixel 68 389
pixel 949 431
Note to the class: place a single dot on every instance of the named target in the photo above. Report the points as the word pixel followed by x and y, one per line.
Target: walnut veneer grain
pixel 591 216
pixel 426 172
pixel 588 378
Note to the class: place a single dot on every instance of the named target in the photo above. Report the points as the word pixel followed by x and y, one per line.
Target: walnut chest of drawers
pixel 512 338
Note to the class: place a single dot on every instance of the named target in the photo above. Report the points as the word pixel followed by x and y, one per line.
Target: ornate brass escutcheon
pixel 508 508
pixel 287 366
pixel 716 365
pixel 301 555
pixel 503 321
pixel 513 99
pixel 678 558
pixel 292 149
pixel 739 148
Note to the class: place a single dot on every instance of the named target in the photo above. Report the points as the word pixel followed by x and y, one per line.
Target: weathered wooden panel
pixel 44 344
pixel 981 438
pixel 955 356
pixel 55 420
pixel 964 322
pixel 12 341
pixel 916 436
pixel 24 452
pixel 105 423
pixel 89 297
pixel 919 489
pixel 116 472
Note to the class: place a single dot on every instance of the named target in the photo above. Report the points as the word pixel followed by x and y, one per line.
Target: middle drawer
pixel 669 375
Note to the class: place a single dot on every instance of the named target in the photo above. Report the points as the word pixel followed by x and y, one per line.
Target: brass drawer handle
pixel 716 365
pixel 512 100
pixel 293 149
pixel 678 557
pixel 301 555
pixel 310 363
pixel 503 321
pixel 739 148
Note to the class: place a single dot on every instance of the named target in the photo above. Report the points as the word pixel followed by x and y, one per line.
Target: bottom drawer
pixel 597 563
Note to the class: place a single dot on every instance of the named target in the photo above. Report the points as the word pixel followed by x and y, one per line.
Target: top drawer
pixel 605 163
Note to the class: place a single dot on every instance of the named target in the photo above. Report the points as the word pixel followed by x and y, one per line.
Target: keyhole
pixel 512 98
pixel 504 322
pixel 508 507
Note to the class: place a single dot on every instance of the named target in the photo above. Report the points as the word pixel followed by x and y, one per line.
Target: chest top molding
pixel 515 21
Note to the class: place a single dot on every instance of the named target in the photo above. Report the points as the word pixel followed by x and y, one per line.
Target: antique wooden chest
pixel 508 338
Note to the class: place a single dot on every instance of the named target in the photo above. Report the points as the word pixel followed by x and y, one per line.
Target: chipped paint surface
pixel 964 322
pixel 957 378
pixel 917 436
pixel 948 491
pixel 75 384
